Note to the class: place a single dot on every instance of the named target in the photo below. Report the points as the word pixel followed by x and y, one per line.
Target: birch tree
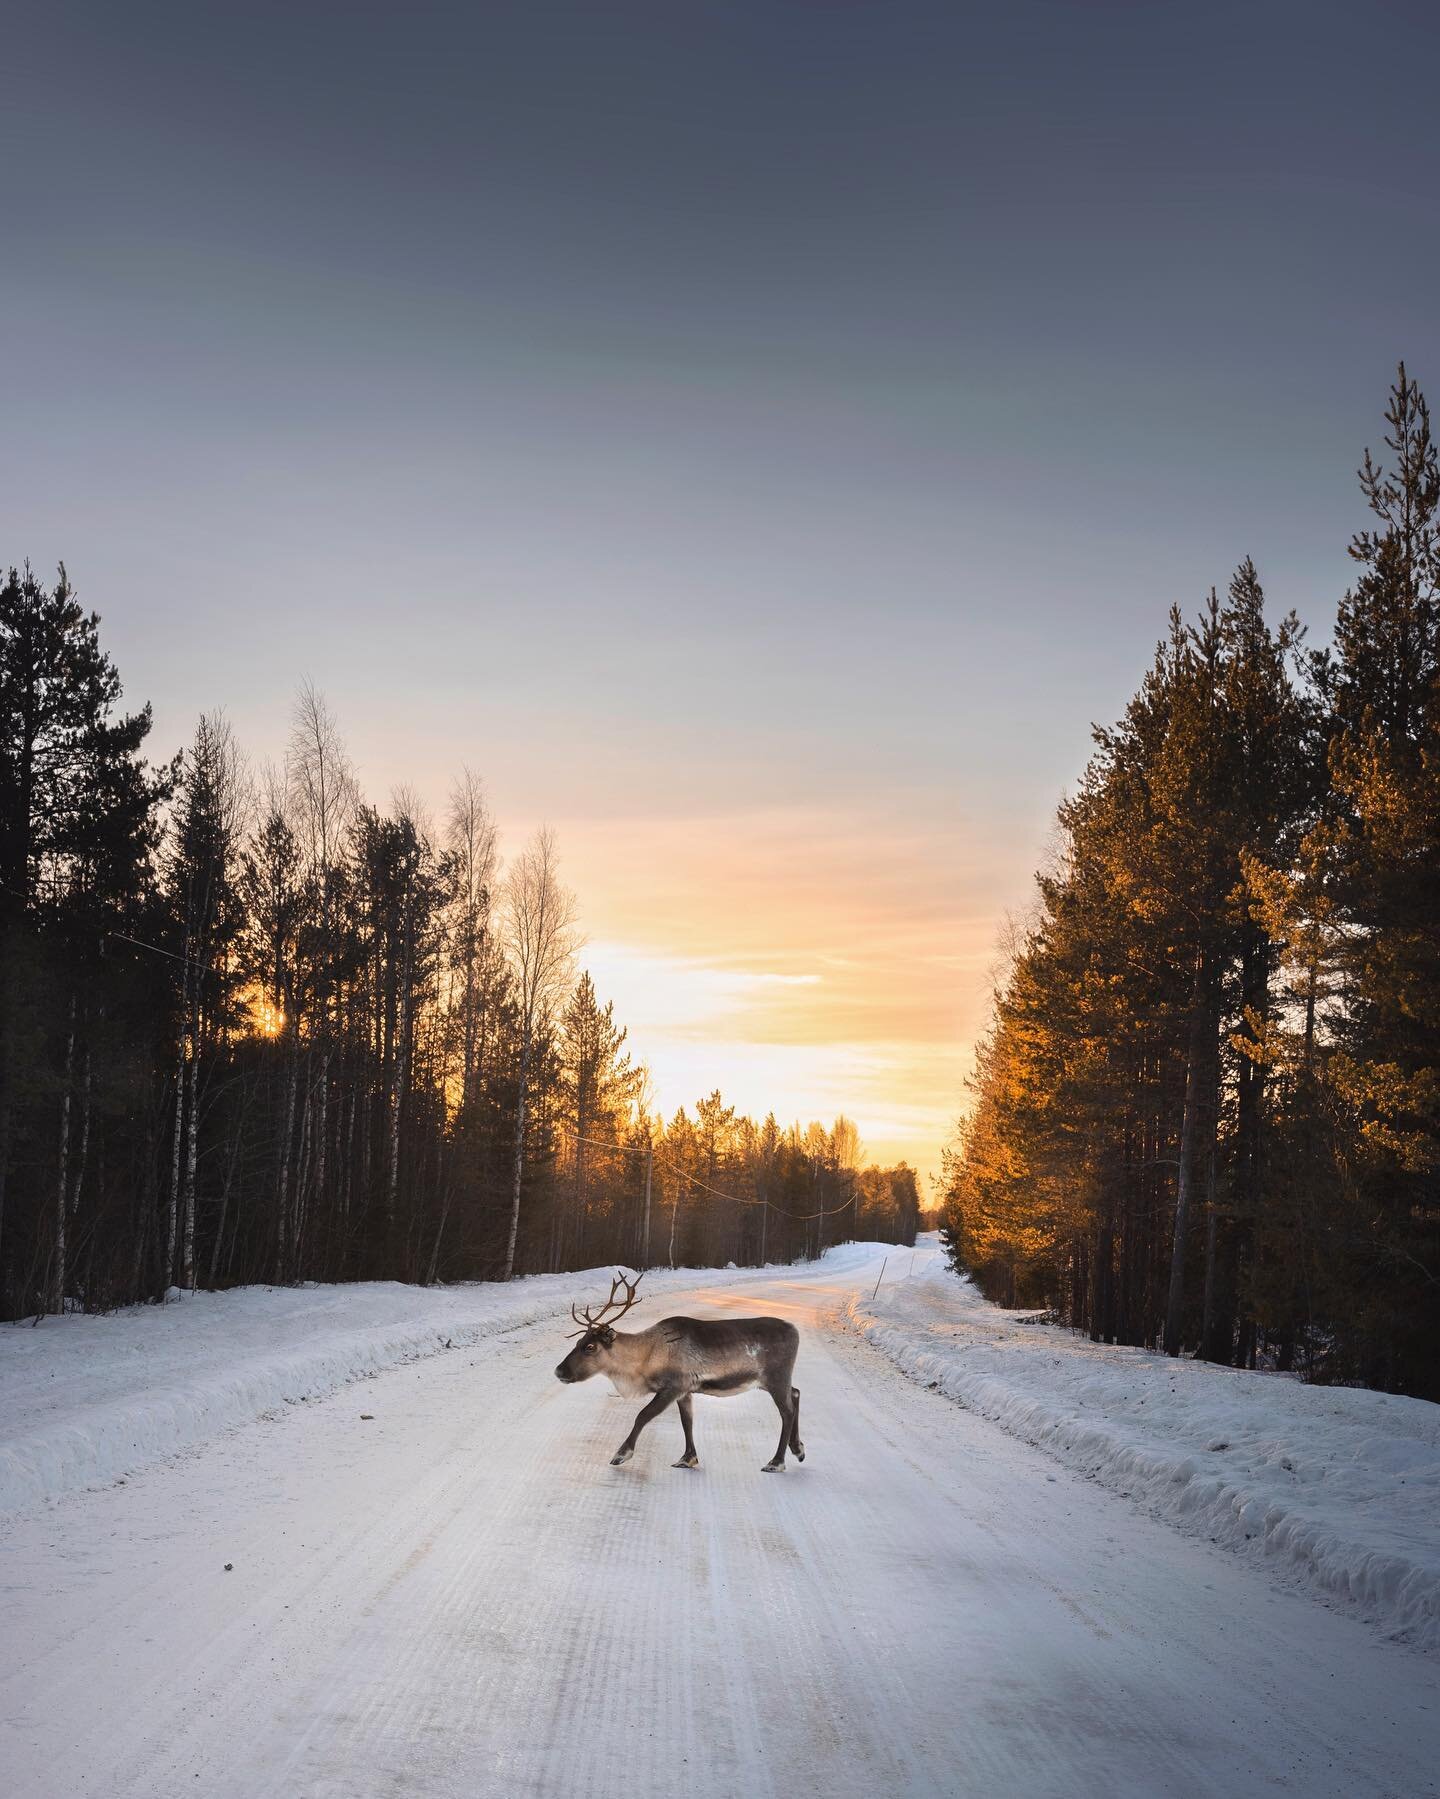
pixel 472 842
pixel 322 802
pixel 541 940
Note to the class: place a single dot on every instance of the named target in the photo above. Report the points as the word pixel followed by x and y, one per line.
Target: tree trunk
pixel 322 1136
pixel 1249 1123
pixel 224 1208
pixel 445 1199
pixel 83 1157
pixel 645 1227
pixel 519 1159
pixel 402 1075
pixel 583 1123
pixel 172 1216
pixel 300 1207
pixel 7 1003
pixel 192 1143
pixel 62 1179
pixel 1199 1115
pixel 347 1201
pixel 1215 1308
pixel 148 1197
pixel 282 1184
pixel 1207 1303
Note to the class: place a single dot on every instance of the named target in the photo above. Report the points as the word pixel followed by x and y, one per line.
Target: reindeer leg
pixel 653 1410
pixel 797 1448
pixel 687 1417
pixel 786 1408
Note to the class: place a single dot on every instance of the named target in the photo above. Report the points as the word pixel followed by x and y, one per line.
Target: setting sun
pixel 267 1019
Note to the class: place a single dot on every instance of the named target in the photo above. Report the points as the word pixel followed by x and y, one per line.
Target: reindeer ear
pixel 607 1337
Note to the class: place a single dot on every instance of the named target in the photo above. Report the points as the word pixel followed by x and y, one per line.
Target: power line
pixel 77 929
pixel 155 950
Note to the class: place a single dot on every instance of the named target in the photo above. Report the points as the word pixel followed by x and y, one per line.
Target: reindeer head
pixel 597 1332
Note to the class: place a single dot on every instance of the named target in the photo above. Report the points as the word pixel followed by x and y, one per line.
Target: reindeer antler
pixel 629 1300
pixel 598 1320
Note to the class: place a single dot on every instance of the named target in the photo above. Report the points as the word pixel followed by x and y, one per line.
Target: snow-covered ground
pixel 1333 1488
pixel 430 1581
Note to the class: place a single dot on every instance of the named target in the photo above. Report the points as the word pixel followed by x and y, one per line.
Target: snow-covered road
pixel 458 1597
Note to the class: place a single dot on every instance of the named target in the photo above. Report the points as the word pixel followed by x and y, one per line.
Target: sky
pixel 758 439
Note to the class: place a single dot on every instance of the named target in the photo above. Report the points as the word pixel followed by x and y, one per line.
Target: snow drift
pixel 1333 1488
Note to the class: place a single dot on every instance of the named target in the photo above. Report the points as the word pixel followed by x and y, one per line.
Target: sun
pixel 267 1018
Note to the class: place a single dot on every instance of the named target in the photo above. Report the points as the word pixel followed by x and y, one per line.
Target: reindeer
pixel 679 1357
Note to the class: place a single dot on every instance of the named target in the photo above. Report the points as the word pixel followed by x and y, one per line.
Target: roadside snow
pixel 1335 1488
pixel 85 1400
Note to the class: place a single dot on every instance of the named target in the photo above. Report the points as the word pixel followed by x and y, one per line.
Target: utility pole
pixel 645 1233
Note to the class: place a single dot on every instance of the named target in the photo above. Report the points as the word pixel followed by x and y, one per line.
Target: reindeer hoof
pixel 687 1462
pixel 773 1468
pixel 620 1456
pixel 799 1452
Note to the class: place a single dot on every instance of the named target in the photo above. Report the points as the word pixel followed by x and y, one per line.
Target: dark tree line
pixel 1207 1113
pixel 260 1029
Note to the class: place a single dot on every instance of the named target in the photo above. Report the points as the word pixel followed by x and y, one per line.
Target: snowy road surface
pixel 458 1597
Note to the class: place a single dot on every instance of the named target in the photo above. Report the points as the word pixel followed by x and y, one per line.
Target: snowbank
pixel 1336 1489
pixel 85 1400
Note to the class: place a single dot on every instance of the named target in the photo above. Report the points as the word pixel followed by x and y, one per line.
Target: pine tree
pixel 202 866
pixel 1382 839
pixel 78 832
pixel 598 1086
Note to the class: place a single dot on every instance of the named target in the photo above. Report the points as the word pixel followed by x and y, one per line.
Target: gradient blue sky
pixel 760 439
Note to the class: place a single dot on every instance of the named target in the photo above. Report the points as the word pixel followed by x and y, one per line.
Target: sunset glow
pixel 766 955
